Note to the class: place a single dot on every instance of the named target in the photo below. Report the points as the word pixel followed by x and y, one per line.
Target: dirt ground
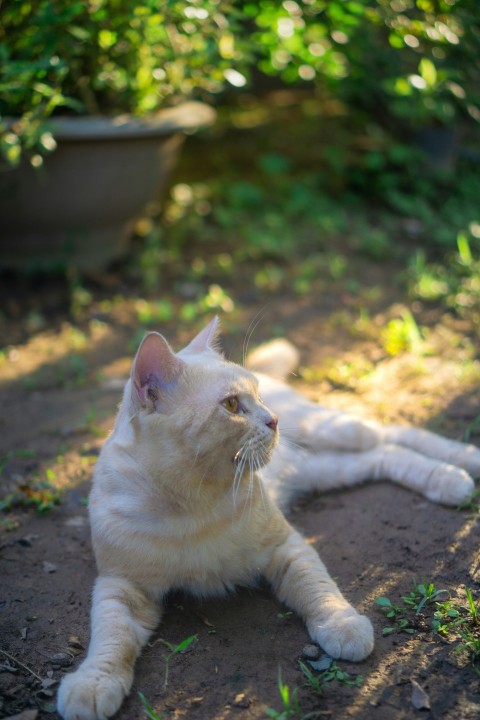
pixel 376 539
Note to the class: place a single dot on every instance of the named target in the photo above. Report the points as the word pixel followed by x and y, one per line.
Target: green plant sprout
pixel 395 613
pixel 469 630
pixel 450 618
pixel 421 594
pixel 150 712
pixel 329 671
pixel 291 704
pixel 175 650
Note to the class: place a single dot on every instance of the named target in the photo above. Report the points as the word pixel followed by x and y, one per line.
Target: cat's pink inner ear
pixel 155 366
pixel 206 338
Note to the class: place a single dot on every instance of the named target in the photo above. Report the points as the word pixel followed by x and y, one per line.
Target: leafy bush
pixel 413 60
pixel 109 57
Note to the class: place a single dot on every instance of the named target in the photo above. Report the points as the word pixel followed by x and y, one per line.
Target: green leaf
pixel 184 644
pixel 428 71
pixel 464 249
pixel 388 630
pixel 383 602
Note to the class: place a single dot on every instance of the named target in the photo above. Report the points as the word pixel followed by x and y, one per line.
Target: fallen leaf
pixel 241 701
pixel 420 699
pixel 74 642
pixel 204 619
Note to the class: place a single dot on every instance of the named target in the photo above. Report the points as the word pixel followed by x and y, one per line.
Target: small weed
pixel 421 594
pixel 469 630
pixel 291 709
pixel 314 682
pixel 43 495
pixel 394 613
pixel 336 674
pixel 449 619
pixel 402 335
pixel 174 650
pixel 329 671
pixel 150 712
pixel 291 703
pixel 446 616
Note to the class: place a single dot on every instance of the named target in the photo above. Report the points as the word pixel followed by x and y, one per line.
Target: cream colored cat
pixel 180 500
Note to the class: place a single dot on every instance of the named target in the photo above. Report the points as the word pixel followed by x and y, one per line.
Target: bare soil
pixel 376 539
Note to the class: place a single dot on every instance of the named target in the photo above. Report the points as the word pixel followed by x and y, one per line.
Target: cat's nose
pixel 272 424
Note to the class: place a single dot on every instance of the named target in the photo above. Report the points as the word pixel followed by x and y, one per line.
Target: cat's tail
pixel 277 358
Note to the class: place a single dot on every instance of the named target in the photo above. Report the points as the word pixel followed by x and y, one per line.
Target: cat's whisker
pixel 260 462
pixel 249 499
pixel 251 329
pixel 290 443
pixel 195 458
pixel 243 456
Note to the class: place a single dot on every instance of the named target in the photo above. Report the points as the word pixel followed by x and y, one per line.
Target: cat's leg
pixel 462 455
pixel 301 581
pixel 438 481
pixel 123 618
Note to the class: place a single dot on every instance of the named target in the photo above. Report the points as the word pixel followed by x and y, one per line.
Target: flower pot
pixel 79 208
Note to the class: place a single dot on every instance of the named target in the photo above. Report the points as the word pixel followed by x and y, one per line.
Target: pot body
pixel 79 208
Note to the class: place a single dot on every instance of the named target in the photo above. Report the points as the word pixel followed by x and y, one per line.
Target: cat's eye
pixel 231 403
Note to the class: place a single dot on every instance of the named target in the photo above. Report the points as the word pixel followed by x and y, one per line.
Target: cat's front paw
pixel 450 485
pixel 346 635
pixel 90 694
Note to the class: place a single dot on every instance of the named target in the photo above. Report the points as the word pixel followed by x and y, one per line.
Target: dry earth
pixel 376 540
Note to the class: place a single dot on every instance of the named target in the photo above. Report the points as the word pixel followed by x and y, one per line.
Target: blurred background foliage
pixel 346 128
pixel 403 64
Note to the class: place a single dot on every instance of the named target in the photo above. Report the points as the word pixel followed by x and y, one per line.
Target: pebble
pixel 61 659
pixel 312 652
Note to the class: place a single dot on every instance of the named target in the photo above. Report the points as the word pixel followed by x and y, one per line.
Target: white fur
pixel 179 501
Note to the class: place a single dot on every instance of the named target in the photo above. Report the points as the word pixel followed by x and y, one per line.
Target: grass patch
pixel 421 609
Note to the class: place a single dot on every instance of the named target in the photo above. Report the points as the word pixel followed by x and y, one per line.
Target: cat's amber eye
pixel 231 403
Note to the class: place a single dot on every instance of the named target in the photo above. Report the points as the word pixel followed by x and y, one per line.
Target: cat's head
pixel 201 405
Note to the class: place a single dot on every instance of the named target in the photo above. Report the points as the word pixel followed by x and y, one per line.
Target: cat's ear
pixel 155 369
pixel 207 339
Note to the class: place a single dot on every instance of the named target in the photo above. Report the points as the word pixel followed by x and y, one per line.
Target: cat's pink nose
pixel 273 423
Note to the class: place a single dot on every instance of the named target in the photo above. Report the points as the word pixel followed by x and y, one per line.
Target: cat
pixel 187 494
